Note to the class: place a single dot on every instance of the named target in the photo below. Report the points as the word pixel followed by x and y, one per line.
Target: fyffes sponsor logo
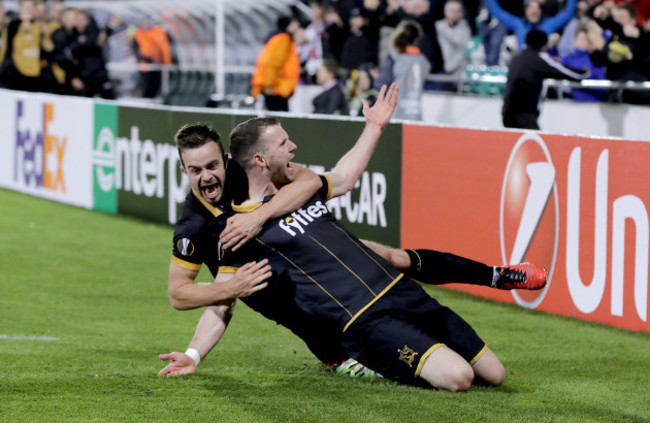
pixel 296 223
pixel 40 153
pixel 140 167
pixel 529 212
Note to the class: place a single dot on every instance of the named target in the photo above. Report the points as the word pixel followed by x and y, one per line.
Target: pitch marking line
pixel 29 338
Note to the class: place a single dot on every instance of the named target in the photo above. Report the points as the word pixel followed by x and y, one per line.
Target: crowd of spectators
pixel 46 46
pixel 610 39
pixel 49 47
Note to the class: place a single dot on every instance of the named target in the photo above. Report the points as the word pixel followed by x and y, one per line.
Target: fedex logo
pixel 294 223
pixel 39 152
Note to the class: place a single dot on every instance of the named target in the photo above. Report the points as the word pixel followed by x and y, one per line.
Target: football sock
pixel 437 268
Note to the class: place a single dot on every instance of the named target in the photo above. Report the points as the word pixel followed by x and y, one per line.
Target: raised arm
pixel 184 294
pixel 210 329
pixel 347 171
pixel 559 21
pixel 509 20
pixel 244 226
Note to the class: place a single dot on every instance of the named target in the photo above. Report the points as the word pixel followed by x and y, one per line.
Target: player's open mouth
pixel 211 191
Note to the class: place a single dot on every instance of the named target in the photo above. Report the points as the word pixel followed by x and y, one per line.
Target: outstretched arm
pixel 244 226
pixel 559 21
pixel 210 329
pixel 511 21
pixel 347 171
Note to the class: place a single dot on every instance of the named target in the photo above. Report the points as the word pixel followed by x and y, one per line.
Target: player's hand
pixel 181 364
pixel 250 278
pixel 380 113
pixel 240 229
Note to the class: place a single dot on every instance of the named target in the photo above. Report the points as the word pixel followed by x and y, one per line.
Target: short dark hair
pixel 407 33
pixel 195 135
pixel 244 139
pixel 536 39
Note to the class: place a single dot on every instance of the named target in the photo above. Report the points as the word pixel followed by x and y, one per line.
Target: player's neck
pixel 259 186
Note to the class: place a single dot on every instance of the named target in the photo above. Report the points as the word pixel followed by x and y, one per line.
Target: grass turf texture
pixel 98 283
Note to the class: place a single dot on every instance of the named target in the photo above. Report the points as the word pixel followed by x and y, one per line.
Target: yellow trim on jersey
pixel 186 264
pixel 367 306
pixel 212 209
pixel 419 259
pixel 424 357
pixel 227 269
pixel 479 355
pixel 246 208
pixel 329 187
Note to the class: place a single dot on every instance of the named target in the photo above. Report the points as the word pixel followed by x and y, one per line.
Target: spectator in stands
pixel 361 45
pixel 422 12
pixel 331 100
pixel 627 56
pixel 566 44
pixel 311 51
pixel 277 69
pixel 118 42
pixel 53 76
pixel 580 59
pixel 532 19
pixel 454 35
pixel 407 67
pixel 61 58
pixel 88 50
pixel 492 33
pixel 362 89
pixel 334 34
pixel 151 47
pixel 20 53
pixel 641 11
pixel 526 74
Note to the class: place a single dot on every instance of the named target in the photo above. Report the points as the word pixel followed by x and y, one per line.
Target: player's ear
pixel 259 160
pixel 225 159
pixel 183 170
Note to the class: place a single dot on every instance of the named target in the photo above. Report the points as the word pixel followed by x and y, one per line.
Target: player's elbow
pixel 344 185
pixel 177 301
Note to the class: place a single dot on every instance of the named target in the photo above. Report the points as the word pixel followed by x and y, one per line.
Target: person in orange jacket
pixel 151 46
pixel 277 68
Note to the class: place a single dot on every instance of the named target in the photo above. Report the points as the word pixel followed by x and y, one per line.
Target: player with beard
pixel 276 164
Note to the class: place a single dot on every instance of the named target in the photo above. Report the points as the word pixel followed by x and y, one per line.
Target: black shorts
pixel 399 331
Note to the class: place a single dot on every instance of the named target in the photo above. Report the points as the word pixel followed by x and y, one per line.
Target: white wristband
pixel 194 355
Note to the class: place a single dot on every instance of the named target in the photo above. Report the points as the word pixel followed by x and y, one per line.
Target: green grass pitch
pixel 97 283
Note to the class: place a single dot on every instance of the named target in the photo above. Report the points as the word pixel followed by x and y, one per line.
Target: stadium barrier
pixel 574 204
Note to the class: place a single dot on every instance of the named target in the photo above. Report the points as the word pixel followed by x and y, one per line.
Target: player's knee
pixel 451 373
pixel 461 380
pixel 497 376
pixel 489 370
